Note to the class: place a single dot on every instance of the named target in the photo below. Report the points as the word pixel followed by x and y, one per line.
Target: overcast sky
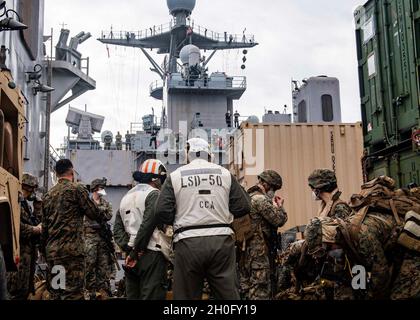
pixel 297 39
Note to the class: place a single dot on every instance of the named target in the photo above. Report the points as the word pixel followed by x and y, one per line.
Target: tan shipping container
pixel 295 150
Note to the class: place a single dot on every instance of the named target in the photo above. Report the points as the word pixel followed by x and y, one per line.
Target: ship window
pixel 327 108
pixel 302 112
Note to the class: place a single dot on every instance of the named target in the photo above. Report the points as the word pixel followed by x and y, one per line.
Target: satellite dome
pixel 190 55
pixel 253 119
pixel 180 5
pixel 107 137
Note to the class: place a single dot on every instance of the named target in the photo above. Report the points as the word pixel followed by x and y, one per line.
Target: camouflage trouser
pixel 72 288
pixel 97 263
pixel 371 250
pixel 20 283
pixel 254 272
pixel 407 284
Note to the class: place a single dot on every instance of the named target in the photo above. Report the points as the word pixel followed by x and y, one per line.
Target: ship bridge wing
pixel 159 37
pixel 135 39
pixel 206 43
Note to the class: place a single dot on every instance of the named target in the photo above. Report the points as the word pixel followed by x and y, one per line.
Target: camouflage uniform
pixel 97 259
pixel 288 259
pixel 298 269
pixel 316 268
pixel 21 283
pixel 407 283
pixel 374 239
pixel 37 204
pixel 255 263
pixel 64 207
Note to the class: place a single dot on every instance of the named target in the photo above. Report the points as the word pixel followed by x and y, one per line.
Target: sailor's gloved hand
pixel 130 262
pixel 132 258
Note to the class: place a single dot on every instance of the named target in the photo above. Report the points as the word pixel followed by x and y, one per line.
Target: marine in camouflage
pixel 254 262
pixel 64 207
pixel 21 283
pixel 374 240
pixel 98 263
pixel 316 268
pixel 374 245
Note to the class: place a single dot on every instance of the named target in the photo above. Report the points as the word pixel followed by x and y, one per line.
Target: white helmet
pixel 198 145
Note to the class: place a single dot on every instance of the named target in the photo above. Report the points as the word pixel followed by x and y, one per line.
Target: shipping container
pixel 295 150
pixel 388 44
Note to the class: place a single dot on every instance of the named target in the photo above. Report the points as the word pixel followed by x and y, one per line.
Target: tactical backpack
pixel 380 195
pixel 243 226
pixel 243 231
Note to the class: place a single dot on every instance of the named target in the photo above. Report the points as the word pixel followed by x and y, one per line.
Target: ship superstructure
pixel 192 97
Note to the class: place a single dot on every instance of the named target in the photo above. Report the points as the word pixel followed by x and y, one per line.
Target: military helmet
pixel 313 236
pixel 98 183
pixel 322 179
pixel 30 180
pixel 272 178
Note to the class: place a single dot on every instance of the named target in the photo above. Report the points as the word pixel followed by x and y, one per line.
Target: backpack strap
pixel 350 238
pixel 394 211
pixel 356 224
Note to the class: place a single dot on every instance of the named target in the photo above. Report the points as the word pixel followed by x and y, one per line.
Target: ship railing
pixel 157 30
pixel 84 65
pixel 137 35
pixel 156 85
pixel 136 127
pixel 238 82
pixel 221 36
pixel 54 154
